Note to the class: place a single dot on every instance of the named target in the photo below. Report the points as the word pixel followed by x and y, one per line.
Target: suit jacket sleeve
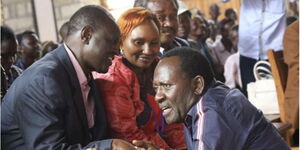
pixel 40 116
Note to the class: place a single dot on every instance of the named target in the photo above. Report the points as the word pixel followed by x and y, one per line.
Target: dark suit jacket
pixel 44 109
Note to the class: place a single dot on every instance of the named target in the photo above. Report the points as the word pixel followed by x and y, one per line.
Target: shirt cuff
pixel 103 144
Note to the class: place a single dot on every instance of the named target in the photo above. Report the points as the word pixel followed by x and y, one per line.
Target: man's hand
pixel 143 145
pixel 118 144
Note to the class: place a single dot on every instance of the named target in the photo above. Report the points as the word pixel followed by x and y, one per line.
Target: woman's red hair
pixel 132 18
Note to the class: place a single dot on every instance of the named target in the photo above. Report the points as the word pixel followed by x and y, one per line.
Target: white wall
pixel 45 20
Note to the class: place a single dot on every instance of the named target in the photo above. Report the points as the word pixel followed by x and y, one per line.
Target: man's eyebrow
pixel 159 11
pixel 165 83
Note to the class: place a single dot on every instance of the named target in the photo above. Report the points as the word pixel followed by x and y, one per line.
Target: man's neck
pixel 27 61
pixel 168 46
pixel 76 54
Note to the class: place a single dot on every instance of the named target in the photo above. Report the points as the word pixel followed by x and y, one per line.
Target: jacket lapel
pixel 100 128
pixel 63 56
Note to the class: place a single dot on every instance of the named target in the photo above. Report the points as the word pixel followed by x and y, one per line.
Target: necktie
pixel 90 104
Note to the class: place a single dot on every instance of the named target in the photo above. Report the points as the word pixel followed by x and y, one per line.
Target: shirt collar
pixel 83 80
pixel 161 49
pixel 191 115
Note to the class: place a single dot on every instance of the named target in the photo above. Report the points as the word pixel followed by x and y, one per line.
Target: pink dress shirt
pixel 85 88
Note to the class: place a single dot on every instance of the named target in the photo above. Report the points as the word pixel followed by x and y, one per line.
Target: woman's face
pixel 142 44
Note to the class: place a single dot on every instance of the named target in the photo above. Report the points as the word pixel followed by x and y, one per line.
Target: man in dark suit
pixel 53 104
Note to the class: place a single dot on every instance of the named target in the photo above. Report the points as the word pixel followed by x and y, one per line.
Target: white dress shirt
pixel 261 27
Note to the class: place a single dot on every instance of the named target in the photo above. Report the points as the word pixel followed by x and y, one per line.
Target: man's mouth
pixel 166 110
pixel 168 31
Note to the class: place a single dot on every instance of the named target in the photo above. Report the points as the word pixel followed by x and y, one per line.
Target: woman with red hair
pixel 127 90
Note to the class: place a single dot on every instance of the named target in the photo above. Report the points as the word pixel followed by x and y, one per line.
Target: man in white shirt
pixel 261 27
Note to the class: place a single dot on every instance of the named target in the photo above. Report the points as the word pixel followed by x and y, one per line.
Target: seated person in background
pixel 197 38
pixel 47 47
pixel 3 83
pixel 232 72
pixel 127 88
pixel 291 58
pixel 54 103
pixel 214 36
pixel 29 46
pixel 8 53
pixel 230 13
pixel 184 21
pixel 215 117
pixel 222 47
pixel 214 12
pixel 166 13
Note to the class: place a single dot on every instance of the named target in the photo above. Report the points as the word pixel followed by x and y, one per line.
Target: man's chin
pixel 166 39
pixel 102 70
pixel 172 120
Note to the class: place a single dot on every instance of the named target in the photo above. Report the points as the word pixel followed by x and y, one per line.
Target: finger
pixel 139 143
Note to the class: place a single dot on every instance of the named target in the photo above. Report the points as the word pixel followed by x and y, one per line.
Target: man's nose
pixel 159 96
pixel 169 22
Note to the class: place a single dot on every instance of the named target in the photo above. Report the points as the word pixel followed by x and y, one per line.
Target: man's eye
pixel 160 17
pixel 166 86
pixel 154 43
pixel 155 88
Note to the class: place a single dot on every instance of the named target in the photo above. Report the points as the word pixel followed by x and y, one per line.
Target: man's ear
pixel 198 84
pixel 20 48
pixel 86 34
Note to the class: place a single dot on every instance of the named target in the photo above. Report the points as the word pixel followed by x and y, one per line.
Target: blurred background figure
pixel 47 47
pixel 223 46
pixel 232 72
pixel 184 21
pixel 8 53
pixel 197 38
pixel 30 47
pixel 214 12
pixel 4 87
pixel 230 13
pixel 214 33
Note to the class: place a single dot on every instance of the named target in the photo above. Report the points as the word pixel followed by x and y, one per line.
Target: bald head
pixel 144 3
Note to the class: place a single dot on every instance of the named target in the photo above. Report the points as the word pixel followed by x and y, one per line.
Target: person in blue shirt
pixel 215 116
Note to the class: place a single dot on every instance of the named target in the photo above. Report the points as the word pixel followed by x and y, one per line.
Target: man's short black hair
pixel 143 3
pixel 235 28
pixel 23 34
pixel 7 34
pixel 92 15
pixel 63 31
pixel 229 11
pixel 193 63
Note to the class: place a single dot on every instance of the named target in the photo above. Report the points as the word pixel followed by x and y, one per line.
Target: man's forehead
pixel 161 5
pixel 169 64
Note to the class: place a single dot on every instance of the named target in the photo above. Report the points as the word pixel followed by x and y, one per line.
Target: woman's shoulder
pixel 118 74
